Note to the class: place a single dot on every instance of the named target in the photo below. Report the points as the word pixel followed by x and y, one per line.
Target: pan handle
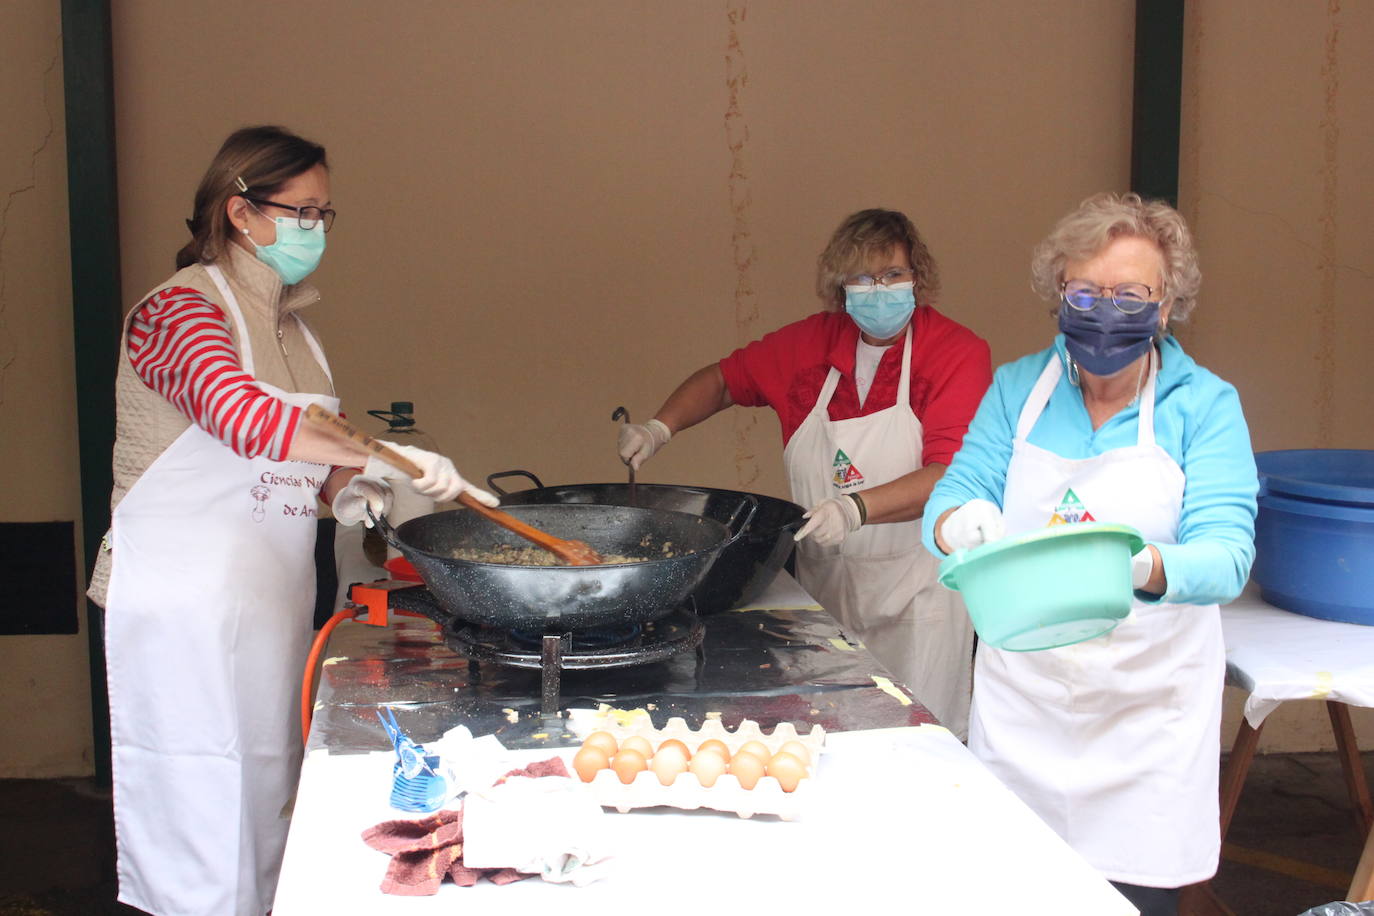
pixel 492 478
pixel 383 527
pixel 753 504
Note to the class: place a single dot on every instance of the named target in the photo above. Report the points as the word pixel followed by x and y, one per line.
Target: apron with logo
pixel 1112 741
pixel 880 582
pixel 208 623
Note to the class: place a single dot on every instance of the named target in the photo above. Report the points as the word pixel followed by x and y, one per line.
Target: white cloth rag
pixel 550 826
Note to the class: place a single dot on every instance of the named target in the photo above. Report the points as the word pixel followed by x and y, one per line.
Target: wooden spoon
pixel 575 553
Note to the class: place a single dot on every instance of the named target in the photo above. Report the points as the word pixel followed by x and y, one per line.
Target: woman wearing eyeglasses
pixel 207 573
pixel 873 394
pixel 1114 742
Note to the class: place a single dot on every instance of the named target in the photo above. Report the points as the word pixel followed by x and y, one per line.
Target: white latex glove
pixel 638 442
pixel 975 522
pixel 440 482
pixel 351 503
pixel 831 521
pixel 1142 565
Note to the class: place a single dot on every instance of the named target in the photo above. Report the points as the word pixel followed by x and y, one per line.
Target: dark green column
pixel 93 208
pixel 1157 109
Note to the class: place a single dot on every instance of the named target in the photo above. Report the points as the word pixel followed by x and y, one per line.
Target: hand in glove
pixel 638 442
pixel 352 502
pixel 1142 567
pixel 975 522
pixel 831 521
pixel 440 481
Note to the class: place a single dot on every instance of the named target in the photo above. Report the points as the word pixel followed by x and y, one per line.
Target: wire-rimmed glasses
pixel 1129 298
pixel 891 277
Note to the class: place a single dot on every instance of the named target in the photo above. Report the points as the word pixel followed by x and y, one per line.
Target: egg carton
pixel 726 794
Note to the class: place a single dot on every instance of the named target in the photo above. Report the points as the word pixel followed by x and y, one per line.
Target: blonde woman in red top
pixel 874 394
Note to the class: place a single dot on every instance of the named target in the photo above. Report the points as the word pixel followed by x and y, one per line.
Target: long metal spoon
pixel 622 414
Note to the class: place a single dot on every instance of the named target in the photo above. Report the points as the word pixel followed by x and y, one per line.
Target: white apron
pixel 208 621
pixel 880 582
pixel 1113 741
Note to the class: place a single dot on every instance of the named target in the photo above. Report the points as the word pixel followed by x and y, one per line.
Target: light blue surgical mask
pixel 880 311
pixel 296 252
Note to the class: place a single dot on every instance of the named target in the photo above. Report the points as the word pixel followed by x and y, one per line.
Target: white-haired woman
pixel 874 395
pixel 1114 741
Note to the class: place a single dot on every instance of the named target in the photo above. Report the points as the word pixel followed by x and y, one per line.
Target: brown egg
pixel 673 742
pixel 714 744
pixel 757 748
pixel 628 764
pixel 638 743
pixel 787 770
pixel 747 768
pixel 798 750
pixel 603 741
pixel 707 766
pixel 588 762
pixel 668 763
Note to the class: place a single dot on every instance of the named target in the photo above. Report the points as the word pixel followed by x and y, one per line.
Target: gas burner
pixel 582 640
pixel 551 653
pixel 601 647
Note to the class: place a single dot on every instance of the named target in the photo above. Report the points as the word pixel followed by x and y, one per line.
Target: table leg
pixel 1351 765
pixel 1362 888
pixel 1199 899
pixel 1237 766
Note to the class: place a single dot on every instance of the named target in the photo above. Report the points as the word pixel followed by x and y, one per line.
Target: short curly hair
pixel 1101 219
pixel 859 238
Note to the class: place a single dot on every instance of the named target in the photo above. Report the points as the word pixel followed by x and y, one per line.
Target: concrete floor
pixel 1292 846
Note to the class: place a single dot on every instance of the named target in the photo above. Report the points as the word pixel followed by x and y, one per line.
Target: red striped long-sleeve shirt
pixel 180 346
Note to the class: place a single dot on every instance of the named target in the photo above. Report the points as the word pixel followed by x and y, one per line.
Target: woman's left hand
pixel 831 521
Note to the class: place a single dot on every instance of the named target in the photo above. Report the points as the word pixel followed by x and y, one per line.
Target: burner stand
pixel 556 652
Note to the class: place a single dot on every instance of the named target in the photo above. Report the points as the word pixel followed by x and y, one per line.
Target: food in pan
pixel 511 555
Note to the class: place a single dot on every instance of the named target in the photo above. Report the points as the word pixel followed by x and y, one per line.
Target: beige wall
pixel 548 210
pixel 1278 122
pixel 43 678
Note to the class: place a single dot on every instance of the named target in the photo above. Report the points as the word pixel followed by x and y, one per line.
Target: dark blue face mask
pixel 1104 340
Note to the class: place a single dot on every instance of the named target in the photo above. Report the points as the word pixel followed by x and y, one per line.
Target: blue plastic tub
pixel 1314 537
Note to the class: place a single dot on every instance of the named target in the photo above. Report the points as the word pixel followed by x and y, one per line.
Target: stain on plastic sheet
pixel 891 689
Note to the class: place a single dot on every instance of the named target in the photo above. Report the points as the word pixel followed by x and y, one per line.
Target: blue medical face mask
pixel 880 311
pixel 1104 340
pixel 296 252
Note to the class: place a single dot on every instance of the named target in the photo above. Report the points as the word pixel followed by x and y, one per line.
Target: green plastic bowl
pixel 1048 588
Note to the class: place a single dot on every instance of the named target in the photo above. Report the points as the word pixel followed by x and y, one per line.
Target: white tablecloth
pixel 901 817
pixel 1276 655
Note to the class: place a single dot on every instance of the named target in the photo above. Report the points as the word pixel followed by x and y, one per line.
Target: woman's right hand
pixel 440 480
pixel 976 522
pixel 638 442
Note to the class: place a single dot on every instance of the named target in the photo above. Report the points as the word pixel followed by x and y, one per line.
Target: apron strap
pixel 245 347
pixel 1039 397
pixel 315 347
pixel 903 387
pixel 1044 387
pixel 1146 433
pixel 231 303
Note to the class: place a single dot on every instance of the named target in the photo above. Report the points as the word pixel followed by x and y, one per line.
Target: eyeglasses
pixel 887 278
pixel 1129 298
pixel 307 217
